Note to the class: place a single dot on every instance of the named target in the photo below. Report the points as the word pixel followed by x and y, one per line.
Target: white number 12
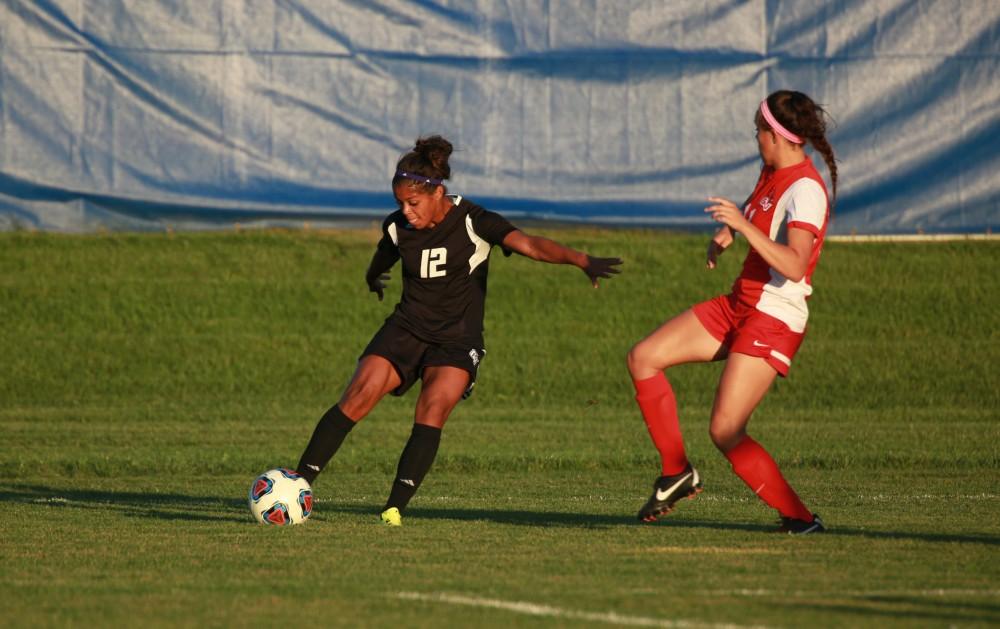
pixel 431 260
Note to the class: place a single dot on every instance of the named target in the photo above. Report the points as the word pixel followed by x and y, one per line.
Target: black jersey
pixel 444 271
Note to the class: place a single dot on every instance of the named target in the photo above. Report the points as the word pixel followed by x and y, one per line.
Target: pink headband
pixel 776 126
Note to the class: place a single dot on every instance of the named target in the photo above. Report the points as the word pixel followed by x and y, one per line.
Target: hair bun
pixel 435 148
pixel 429 158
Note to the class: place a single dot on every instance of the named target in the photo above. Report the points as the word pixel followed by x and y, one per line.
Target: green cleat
pixel 392 517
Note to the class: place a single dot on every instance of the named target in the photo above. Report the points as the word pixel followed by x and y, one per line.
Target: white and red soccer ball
pixel 280 497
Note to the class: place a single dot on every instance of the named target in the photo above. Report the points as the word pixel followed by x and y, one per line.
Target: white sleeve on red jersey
pixel 806 207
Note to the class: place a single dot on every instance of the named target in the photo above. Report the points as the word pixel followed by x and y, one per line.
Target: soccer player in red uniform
pixel 758 326
pixel 435 333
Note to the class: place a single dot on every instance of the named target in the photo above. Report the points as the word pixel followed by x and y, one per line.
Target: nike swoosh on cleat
pixel 662 494
pixel 314 468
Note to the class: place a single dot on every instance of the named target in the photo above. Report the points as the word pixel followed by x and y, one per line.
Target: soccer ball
pixel 281 497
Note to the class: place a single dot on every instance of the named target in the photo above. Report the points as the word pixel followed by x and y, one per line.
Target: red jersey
pixel 794 196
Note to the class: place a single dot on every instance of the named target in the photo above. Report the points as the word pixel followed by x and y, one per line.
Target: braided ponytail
pixel 800 115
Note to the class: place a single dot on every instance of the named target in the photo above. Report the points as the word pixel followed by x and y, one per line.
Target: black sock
pixel 326 439
pixel 416 460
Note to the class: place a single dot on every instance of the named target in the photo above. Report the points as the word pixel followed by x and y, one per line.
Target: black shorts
pixel 410 355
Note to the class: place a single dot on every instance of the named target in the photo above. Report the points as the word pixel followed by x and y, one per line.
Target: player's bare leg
pixel 680 340
pixel 744 381
pixel 442 390
pixel 373 379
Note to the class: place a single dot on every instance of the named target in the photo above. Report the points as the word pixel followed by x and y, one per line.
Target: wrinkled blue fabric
pixel 204 113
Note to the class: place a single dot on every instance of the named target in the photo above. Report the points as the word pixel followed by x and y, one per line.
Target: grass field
pixel 145 379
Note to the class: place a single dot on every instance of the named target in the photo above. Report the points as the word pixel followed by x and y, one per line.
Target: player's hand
pixel 377 284
pixel 719 243
pixel 601 267
pixel 726 212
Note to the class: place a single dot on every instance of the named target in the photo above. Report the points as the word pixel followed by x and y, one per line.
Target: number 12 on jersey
pixel 431 261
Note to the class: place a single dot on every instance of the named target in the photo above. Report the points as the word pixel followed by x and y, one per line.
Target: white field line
pixel 910 237
pixel 534 609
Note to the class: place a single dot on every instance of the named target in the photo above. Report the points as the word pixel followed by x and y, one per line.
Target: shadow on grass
pixel 969 538
pixel 165 506
pixel 909 609
pixel 174 506
pixel 599 521
pixel 521 518
pixel 838 531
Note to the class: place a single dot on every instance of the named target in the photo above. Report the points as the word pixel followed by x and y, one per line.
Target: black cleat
pixel 667 490
pixel 793 526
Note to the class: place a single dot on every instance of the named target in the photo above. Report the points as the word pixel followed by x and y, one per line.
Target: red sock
pixel 659 410
pixel 754 465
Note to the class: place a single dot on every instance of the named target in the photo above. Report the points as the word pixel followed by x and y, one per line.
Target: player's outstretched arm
pixel 377 273
pixel 546 250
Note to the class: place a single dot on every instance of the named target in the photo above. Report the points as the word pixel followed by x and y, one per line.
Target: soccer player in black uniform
pixel 435 333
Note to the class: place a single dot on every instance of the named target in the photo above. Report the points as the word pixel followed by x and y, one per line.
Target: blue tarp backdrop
pixel 143 114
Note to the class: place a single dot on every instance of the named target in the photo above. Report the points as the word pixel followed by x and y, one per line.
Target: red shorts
pixel 745 330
